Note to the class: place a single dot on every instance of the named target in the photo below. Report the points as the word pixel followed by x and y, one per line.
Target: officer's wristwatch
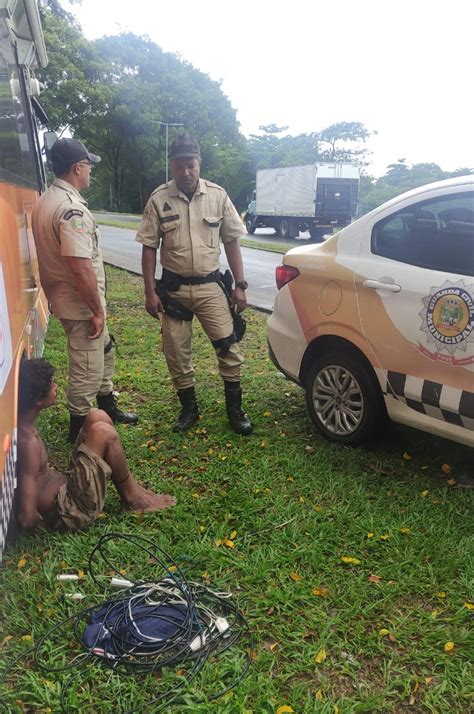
pixel 242 284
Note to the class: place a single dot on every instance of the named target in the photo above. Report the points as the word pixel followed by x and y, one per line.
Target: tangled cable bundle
pixel 149 626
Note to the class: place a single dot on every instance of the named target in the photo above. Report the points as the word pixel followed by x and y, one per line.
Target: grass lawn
pixel 352 566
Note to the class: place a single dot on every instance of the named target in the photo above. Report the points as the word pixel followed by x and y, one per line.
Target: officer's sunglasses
pixel 86 163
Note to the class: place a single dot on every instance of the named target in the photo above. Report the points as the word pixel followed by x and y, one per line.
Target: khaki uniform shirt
pixel 64 226
pixel 188 232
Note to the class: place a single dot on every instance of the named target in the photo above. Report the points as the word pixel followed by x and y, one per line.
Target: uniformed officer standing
pixel 73 277
pixel 185 219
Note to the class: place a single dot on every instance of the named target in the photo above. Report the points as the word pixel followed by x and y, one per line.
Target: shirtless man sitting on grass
pixel 75 499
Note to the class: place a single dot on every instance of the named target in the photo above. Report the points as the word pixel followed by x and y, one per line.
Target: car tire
pixel 345 418
pixel 317 234
pixel 250 225
pixel 284 229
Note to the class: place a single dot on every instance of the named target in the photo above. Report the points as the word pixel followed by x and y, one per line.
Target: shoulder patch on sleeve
pixel 72 212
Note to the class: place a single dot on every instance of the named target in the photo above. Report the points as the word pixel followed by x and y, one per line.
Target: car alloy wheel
pixel 338 400
pixel 344 398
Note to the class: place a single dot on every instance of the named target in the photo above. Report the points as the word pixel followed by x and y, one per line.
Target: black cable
pixel 187 609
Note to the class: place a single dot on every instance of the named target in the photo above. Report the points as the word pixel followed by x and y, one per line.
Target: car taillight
pixel 284 274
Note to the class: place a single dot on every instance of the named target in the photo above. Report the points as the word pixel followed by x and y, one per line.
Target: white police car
pixel 379 319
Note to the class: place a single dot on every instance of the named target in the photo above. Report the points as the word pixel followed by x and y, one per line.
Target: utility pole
pixel 166 124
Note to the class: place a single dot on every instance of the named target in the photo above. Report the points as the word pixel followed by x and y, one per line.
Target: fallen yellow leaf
pixel 385 536
pixel 284 709
pixel 202 528
pixel 407 456
pixel 350 560
pixel 319 695
pixel 294 576
pixel 405 531
pixel 384 632
pixel 267 413
pixel 233 535
pixel 469 605
pixel 374 578
pixel 370 534
pixel 290 478
pixel 321 656
pixel 81 573
pixel 446 469
pixel 428 680
pixel 6 639
pixel 27 638
pixel 425 493
pixel 21 563
pixel 442 594
pixel 229 543
pixel 449 646
pixel 172 568
pixel 321 592
pixel 336 709
pixel 219 541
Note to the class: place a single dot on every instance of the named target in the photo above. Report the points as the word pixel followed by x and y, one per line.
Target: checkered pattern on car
pixel 449 404
pixel 7 490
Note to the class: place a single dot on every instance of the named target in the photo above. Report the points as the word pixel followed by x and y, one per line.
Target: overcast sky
pixel 403 68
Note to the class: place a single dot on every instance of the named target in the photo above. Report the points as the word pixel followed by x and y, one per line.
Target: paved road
pixel 120 248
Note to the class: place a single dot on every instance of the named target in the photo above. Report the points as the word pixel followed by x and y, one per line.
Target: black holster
pixel 223 345
pixel 172 307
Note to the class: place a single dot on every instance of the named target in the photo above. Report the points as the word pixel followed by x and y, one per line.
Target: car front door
pixel 415 286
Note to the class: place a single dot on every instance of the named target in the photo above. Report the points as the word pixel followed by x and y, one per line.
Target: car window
pixel 436 234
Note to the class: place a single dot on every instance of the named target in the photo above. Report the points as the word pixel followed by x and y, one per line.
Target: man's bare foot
pixel 143 500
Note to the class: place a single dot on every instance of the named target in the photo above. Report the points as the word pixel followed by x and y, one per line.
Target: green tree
pixel 342 142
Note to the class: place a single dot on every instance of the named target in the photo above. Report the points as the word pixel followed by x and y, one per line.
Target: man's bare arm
pixel 152 301
pixel 234 258
pixel 85 282
pixel 29 455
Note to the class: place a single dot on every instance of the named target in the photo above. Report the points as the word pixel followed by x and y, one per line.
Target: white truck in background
pixel 315 198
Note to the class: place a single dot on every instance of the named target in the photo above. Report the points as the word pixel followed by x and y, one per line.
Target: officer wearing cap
pixel 185 219
pixel 73 278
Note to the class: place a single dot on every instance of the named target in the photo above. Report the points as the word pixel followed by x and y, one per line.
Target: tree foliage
pixel 116 93
pixel 400 178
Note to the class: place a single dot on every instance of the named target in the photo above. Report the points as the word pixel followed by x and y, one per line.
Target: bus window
pixel 16 158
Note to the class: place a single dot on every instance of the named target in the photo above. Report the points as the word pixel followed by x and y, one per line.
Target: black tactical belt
pixel 171 278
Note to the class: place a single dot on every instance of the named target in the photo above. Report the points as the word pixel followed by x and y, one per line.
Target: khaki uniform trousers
pixel 90 369
pixel 210 306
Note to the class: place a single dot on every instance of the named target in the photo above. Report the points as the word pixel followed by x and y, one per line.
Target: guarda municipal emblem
pixel 447 319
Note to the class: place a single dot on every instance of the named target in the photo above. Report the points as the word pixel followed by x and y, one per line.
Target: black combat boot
pixel 108 404
pixel 239 420
pixel 75 424
pixel 189 409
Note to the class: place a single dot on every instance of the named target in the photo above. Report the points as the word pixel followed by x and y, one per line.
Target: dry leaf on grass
pixel 321 656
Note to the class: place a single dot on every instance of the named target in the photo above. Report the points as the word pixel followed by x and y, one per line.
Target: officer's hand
pixel 96 326
pixel 239 299
pixel 153 306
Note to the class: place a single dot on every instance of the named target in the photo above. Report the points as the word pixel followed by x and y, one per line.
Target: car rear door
pixel 415 287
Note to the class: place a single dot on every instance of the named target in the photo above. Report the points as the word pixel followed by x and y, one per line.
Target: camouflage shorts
pixel 82 497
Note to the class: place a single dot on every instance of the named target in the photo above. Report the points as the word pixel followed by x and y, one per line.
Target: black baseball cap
pixel 185 145
pixel 66 152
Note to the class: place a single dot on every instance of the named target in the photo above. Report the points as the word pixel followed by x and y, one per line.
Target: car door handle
pixel 379 285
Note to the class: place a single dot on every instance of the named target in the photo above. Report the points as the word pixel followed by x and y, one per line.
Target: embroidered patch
pixel 79 225
pixel 72 212
pixel 167 207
